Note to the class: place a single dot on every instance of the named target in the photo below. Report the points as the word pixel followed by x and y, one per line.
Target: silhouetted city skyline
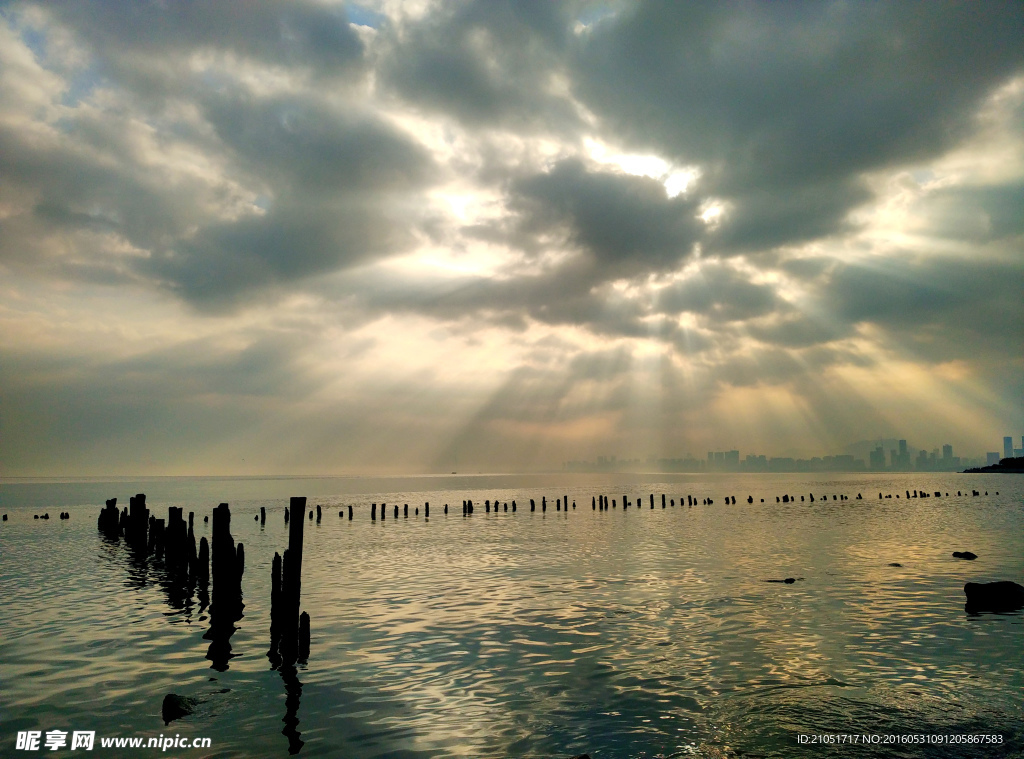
pixel 884 457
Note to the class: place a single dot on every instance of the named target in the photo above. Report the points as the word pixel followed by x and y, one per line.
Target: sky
pixel 283 237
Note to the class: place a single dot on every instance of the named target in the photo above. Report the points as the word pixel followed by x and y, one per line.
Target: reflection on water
pixel 538 633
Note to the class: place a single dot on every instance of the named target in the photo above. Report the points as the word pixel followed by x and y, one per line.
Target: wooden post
pixel 203 562
pixel 303 650
pixel 291 584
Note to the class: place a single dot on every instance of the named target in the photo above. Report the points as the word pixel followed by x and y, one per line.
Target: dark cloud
pixel 64 195
pixel 624 222
pixel 130 41
pixel 486 63
pixel 339 187
pixel 938 308
pixel 760 219
pixel 789 102
pixel 298 144
pixel 228 260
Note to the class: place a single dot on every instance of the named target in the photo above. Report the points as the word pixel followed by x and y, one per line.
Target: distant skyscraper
pixel 1007 447
pixel 903 459
pixel 991 458
pixel 947 452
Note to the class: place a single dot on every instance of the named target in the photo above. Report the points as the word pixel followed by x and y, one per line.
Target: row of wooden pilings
pixel 597 503
pixel 174 542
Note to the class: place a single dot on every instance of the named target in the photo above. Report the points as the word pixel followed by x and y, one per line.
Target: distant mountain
pixel 1004 465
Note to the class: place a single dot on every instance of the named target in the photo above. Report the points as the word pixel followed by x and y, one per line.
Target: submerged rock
pixel 175 707
pixel 787 581
pixel 895 564
pixel 994 596
pixel 966 555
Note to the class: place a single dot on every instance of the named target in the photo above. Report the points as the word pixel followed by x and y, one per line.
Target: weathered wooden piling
pixel 319 513
pixel 275 599
pixel 286 515
pixel 109 519
pixel 291 586
pixel 138 521
pixel 543 503
pixel 228 565
pixel 513 506
pixel 373 512
pixel 396 511
pixel 155 547
pixel 383 511
pixel 426 510
pixel 202 572
pixel 405 513
pixel 303 648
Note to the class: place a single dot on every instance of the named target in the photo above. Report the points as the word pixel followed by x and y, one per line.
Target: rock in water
pixel 994 596
pixel 175 707
pixel 965 555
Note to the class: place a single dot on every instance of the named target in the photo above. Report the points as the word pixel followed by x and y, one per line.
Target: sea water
pixel 620 633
